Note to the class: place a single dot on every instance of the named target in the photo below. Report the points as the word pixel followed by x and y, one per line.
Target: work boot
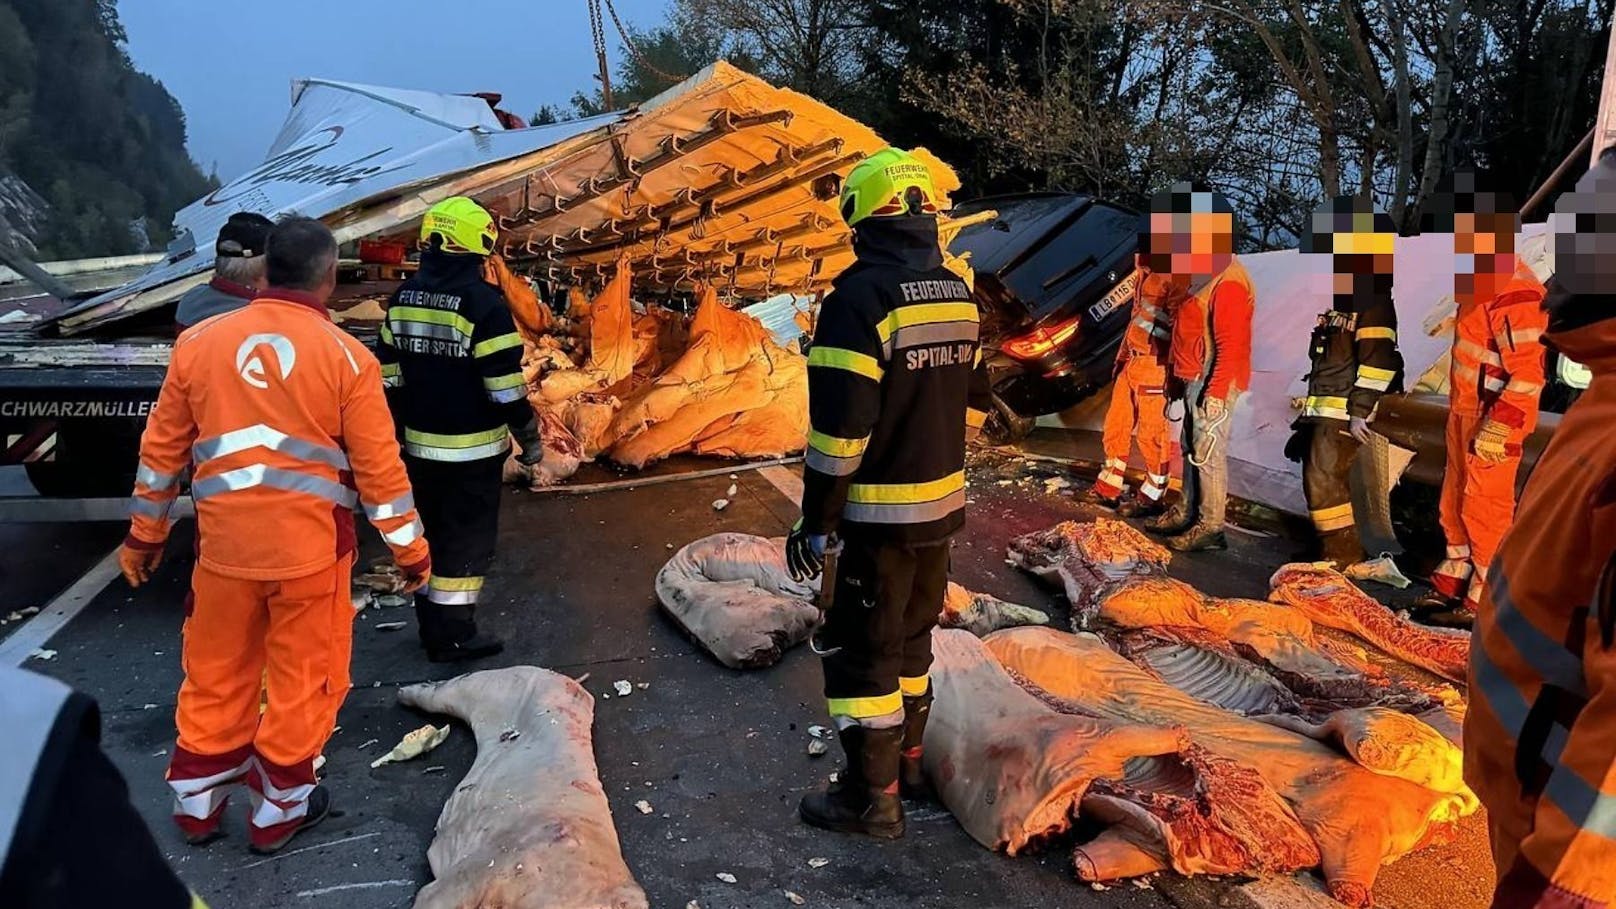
pixel 864 797
pixel 1342 548
pixel 450 634
pixel 1174 521
pixel 319 810
pixel 1093 497
pixel 911 779
pixel 1200 538
pixel 1432 603
pixel 1141 507
pixel 1461 617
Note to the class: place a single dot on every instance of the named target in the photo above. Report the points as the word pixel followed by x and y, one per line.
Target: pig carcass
pixel 731 592
pixel 1358 820
pixel 1085 559
pixel 1390 743
pixel 1016 772
pixel 563 454
pixel 982 614
pixel 529 826
pixel 1327 597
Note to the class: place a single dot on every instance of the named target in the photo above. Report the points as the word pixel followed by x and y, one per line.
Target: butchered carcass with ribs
pixel 1015 772
pixel 1358 820
pixel 1328 598
pixel 1085 559
pixel 529 826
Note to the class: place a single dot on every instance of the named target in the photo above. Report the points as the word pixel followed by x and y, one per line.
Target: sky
pixel 230 65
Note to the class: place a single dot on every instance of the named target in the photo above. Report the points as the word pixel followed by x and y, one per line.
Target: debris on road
pixel 414 744
pixel 644 807
pixel 383 577
pixel 42 654
pixel 623 687
pixel 720 504
pixel 818 862
pixel 733 489
pixel 726 877
pixel 17 615
pixel 368 743
pixel 510 734
pixel 435 768
pixel 391 600
pixel 390 626
pixel 817 747
pixel 795 899
pixel 820 732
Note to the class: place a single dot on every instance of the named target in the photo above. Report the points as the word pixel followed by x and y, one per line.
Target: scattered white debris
pixel 1052 484
pixel 692 905
pixel 148 706
pixel 642 685
pixel 623 687
pixel 389 626
pixel 726 877
pixel 1143 883
pixel 1007 482
pixel 644 806
pixel 160 753
pixel 667 545
pixel 18 615
pixel 819 732
pixel 435 768
pixel 817 747
pixel 733 489
pixel 414 744
pixel 721 504
pixel 361 599
pixel 510 734
pixel 734 476
pixel 368 743
pixel 42 654
pixel 795 899
pixel 1099 886
pixel 818 862
pixel 391 600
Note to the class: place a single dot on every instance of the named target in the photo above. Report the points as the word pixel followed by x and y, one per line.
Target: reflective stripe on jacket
pixel 1540 735
pixel 1353 354
pixel 1497 357
pixel 279 417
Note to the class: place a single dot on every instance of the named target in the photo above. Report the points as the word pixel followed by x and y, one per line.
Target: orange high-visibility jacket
pixel 1497 363
pixel 281 418
pixel 1212 332
pixel 1150 326
pixel 1540 736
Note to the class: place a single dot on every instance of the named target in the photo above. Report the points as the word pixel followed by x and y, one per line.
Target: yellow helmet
pixel 461 226
pixel 891 183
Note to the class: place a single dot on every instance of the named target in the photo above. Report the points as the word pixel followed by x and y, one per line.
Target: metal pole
pixel 1554 179
pixel 22 265
pixel 1605 125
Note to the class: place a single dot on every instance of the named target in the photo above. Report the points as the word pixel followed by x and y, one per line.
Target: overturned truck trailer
pixel 722 184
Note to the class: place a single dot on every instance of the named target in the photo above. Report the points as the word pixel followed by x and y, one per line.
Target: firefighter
pixel 1540 744
pixel 238 270
pixel 1495 380
pixel 1354 360
pixel 68 834
pixel 452 361
pixel 889 374
pixel 1138 409
pixel 1191 238
pixel 280 418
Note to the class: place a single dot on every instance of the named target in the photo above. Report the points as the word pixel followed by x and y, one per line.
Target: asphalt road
pixel 720 755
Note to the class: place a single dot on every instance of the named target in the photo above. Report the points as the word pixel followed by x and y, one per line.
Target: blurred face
pixel 1198 244
pixel 1486 240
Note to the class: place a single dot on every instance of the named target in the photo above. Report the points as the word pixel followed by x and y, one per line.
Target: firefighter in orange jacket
pixel 280 418
pixel 1138 409
pixel 1495 381
pixel 1540 735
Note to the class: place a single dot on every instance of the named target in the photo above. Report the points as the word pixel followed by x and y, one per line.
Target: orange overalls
pixel 1496 374
pixel 280 418
pixel 1540 735
pixel 1138 409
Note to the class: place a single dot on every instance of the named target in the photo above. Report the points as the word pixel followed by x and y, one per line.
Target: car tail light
pixel 1043 340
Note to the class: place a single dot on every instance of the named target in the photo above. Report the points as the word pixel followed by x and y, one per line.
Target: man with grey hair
pixel 238 270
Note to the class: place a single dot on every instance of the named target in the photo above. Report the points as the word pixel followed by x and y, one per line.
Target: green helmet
pixel 891 183
pixel 461 226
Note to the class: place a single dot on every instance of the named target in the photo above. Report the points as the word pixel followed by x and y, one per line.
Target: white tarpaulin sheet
pixel 1292 289
pixel 341 144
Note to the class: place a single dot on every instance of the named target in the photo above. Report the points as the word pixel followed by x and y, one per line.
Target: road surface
pixel 720 755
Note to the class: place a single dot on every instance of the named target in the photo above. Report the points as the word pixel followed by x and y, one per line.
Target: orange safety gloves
pixel 138 559
pixel 1491 441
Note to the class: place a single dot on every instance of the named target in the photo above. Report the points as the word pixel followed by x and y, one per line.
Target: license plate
pixel 1119 295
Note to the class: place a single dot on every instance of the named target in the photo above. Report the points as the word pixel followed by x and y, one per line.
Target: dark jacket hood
pixel 910 243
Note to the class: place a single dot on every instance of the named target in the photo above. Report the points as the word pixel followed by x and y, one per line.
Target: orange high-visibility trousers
pixel 1477 507
pixel 1138 411
pixel 290 639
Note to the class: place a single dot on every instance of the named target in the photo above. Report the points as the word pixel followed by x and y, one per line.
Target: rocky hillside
pixel 99 143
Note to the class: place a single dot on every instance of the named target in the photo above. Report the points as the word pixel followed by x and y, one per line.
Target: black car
pixel 1054 280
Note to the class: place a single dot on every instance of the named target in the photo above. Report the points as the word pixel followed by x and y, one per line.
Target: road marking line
pixel 38 631
pixel 788 482
pixel 368 885
pixel 280 855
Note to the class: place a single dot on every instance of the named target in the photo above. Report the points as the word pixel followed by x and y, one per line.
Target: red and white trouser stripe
pixel 1154 487
pixel 1109 483
pixel 202 786
pixel 280 797
pixel 1452 576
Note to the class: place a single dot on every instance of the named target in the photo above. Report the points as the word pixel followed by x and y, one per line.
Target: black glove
pixel 805 553
pixel 1175 388
pixel 527 439
pixel 1301 439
